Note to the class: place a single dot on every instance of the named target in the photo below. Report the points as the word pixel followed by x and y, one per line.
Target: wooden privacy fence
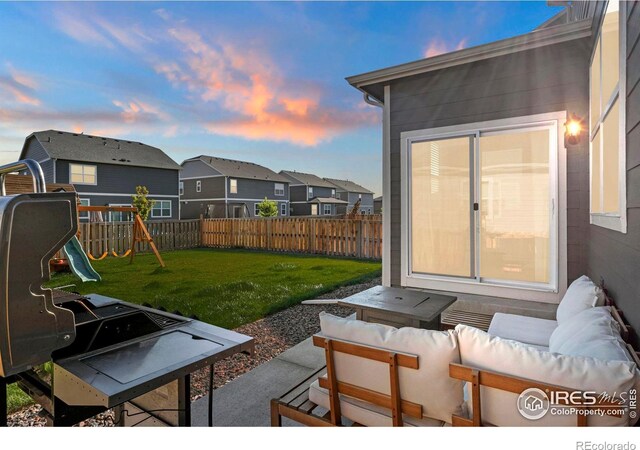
pixel 337 237
pixel 98 238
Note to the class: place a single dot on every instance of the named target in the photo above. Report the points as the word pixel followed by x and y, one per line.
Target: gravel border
pixel 273 335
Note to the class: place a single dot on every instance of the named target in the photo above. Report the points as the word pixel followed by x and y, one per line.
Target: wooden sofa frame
pixel 295 404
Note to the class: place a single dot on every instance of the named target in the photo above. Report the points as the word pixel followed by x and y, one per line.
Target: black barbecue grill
pixel 106 353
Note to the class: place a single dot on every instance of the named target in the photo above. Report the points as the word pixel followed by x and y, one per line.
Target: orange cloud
pixel 248 85
pixel 438 47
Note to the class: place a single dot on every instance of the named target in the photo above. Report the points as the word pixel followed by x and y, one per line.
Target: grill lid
pixel 33 227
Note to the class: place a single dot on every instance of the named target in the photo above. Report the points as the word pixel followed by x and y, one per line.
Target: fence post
pixel 359 238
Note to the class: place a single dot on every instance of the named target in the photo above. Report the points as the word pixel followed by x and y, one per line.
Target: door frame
pixel 506 289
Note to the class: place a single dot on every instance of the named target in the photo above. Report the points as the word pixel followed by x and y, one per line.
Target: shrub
pixel 144 204
pixel 267 208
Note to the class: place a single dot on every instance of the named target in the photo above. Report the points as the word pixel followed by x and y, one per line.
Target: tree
pixel 354 210
pixel 267 208
pixel 144 204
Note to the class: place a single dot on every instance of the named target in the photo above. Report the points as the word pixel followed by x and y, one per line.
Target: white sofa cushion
pixel 364 412
pixel 592 332
pixel 483 351
pixel 529 330
pixel 582 294
pixel 429 385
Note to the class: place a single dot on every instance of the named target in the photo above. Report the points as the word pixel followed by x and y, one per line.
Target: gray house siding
pixel 105 200
pixel 197 168
pixel 612 255
pixel 366 203
pixel 257 189
pixel 118 184
pixel 36 152
pixel 298 193
pixel 117 179
pixel 547 79
pixel 210 188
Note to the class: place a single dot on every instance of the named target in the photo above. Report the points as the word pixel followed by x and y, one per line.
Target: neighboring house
pixel 352 192
pixel 483 191
pixel 218 188
pixel 311 195
pixel 106 171
pixel 377 205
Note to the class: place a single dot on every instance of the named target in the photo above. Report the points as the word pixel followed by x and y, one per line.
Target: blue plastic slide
pixel 79 262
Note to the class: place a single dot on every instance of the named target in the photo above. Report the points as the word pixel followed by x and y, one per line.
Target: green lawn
pixel 223 287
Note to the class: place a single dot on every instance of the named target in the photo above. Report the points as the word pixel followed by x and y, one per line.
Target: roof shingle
pixel 241 169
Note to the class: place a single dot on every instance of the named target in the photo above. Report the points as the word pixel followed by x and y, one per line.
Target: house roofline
pixel 534 39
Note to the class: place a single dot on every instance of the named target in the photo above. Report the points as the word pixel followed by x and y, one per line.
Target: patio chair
pixel 377 375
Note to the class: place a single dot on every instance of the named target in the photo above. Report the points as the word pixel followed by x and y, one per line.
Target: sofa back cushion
pixel 429 385
pixel 482 351
pixel 592 332
pixel 582 294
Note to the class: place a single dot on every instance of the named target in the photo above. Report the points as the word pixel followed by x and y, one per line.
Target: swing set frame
pixel 140 231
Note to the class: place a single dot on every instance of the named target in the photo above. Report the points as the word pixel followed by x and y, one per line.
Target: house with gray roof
pixel 222 188
pixel 312 195
pixel 106 171
pixel 352 192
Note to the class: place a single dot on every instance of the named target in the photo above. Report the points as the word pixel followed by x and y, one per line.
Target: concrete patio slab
pixel 245 402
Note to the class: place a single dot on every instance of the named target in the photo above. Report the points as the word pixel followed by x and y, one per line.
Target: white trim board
pixel 278 200
pixel 386 187
pixel 104 194
pixel 549 294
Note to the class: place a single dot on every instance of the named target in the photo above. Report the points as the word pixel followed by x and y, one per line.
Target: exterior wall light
pixel 573 130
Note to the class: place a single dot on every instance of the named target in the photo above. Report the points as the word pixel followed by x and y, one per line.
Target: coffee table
pixel 399 307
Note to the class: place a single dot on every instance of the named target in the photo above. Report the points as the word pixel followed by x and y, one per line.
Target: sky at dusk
pixel 255 81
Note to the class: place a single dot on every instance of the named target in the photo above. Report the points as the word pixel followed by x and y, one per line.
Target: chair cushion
pixel 483 351
pixel 366 413
pixel 582 294
pixel 593 332
pixel 528 330
pixel 429 385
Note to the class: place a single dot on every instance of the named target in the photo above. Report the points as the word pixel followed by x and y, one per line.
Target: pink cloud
pixel 20 85
pixel 438 47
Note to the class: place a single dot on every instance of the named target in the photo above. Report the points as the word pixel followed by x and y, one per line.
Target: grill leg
pixel 184 401
pixel 3 402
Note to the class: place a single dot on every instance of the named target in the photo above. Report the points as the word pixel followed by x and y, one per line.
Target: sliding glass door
pixel 482 206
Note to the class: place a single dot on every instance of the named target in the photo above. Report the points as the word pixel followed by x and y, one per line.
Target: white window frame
pixel 83 175
pixel 233 185
pixel 333 193
pixel 309 192
pixel 278 192
pixel 256 210
pixel 181 188
pixel 85 215
pixel 155 216
pixel 283 209
pixel 198 186
pixel 521 291
pixel 616 222
pixel 117 212
pixel 324 210
pixel 316 209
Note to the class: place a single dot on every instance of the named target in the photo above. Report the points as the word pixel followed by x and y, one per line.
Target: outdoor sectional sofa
pixel 377 375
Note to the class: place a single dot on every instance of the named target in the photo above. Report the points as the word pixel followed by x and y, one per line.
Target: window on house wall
pixel 198 186
pixel 161 209
pixel 256 209
pixel 283 209
pixel 181 188
pixel 327 210
pixel 310 192
pixel 84 215
pixel 314 209
pixel 118 216
pixel 82 174
pixel 333 193
pixel 359 196
pixel 233 186
pixel 607 127
pixel 279 189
